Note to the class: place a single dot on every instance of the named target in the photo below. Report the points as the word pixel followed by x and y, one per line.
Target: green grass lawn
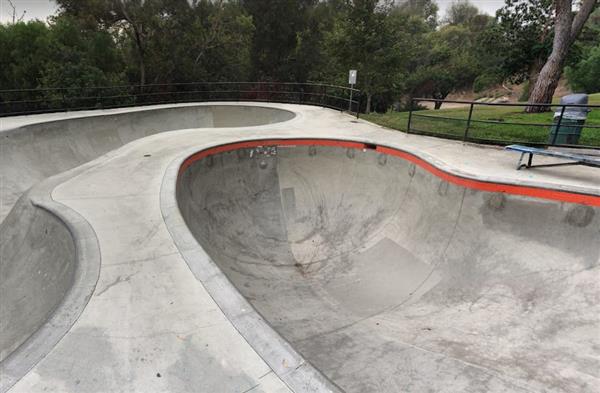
pixel 532 128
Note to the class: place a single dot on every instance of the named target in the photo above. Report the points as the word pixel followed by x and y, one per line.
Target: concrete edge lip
pixel 86 274
pixel 297 373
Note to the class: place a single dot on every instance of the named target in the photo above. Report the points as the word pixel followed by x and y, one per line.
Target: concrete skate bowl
pixel 36 151
pixel 49 260
pixel 388 274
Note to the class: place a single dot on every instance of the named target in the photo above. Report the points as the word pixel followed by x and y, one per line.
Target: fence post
pixel 410 112
pixel 360 96
pixel 468 122
pixel 557 129
pixel 350 101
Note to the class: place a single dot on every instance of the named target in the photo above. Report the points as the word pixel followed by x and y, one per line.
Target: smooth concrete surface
pixel 35 147
pixel 388 279
pixel 49 266
pixel 38 256
pixel 38 264
pixel 151 324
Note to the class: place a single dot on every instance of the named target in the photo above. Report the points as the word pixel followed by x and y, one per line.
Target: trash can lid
pixel 575 99
pixel 576 113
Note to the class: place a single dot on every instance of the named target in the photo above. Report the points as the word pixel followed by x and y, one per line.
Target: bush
pixel 485 81
pixel 584 77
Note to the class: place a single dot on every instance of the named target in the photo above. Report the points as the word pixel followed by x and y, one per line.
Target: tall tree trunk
pixel 140 49
pixel 566 29
pixel 139 42
pixel 534 72
pixel 142 71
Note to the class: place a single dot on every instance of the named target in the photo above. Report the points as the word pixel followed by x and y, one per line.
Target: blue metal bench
pixel 574 159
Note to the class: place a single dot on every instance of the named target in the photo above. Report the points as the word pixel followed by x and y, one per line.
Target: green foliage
pixel 583 71
pixel 284 29
pixel 461 12
pixel 450 64
pixel 521 39
pixel 585 75
pixel 62 54
pixel 213 44
pixel 398 47
pixel 370 38
pixel 426 10
pixel 485 81
pixel 167 41
pixel 25 51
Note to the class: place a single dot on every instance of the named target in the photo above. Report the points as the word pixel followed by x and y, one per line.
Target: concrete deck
pixel 153 324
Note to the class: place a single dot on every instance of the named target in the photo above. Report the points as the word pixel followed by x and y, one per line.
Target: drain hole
pixel 147 155
pixel 370 146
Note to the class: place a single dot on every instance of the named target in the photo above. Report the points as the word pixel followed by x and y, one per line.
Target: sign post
pixel 352 82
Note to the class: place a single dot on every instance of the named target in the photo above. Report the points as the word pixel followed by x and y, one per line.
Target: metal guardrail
pixel 14 102
pixel 473 129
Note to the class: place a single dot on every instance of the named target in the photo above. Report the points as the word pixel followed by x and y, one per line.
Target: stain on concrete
pixel 580 216
pixel 197 370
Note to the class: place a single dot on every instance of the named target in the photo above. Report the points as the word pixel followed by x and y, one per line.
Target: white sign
pixel 352 77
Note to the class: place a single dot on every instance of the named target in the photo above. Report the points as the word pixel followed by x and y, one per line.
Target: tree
pixel 279 25
pixel 61 54
pixel 204 41
pixel 24 49
pixel 173 40
pixel 567 27
pixel 424 9
pixel 377 40
pixel 134 17
pixel 520 40
pixel 585 75
pixel 461 12
pixel 80 57
pixel 451 63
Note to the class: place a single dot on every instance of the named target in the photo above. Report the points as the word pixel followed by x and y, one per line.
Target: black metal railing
pixel 476 122
pixel 32 101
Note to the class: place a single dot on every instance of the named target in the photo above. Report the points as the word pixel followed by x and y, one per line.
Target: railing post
pixel 410 113
pixel 557 129
pixel 468 122
pixel 360 96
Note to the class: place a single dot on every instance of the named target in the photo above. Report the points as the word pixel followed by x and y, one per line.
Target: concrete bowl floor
pixel 387 278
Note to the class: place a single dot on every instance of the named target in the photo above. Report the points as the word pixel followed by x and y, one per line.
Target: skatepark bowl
pixel 373 269
pixel 387 278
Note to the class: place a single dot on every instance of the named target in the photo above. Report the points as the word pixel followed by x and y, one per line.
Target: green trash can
pixel 568 133
pixel 572 122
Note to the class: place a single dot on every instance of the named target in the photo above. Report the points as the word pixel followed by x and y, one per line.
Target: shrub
pixel 584 77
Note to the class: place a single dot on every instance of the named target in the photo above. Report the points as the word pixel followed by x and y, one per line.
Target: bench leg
pixel 519 164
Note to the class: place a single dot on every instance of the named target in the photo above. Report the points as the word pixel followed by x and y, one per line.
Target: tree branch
pixel 587 6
